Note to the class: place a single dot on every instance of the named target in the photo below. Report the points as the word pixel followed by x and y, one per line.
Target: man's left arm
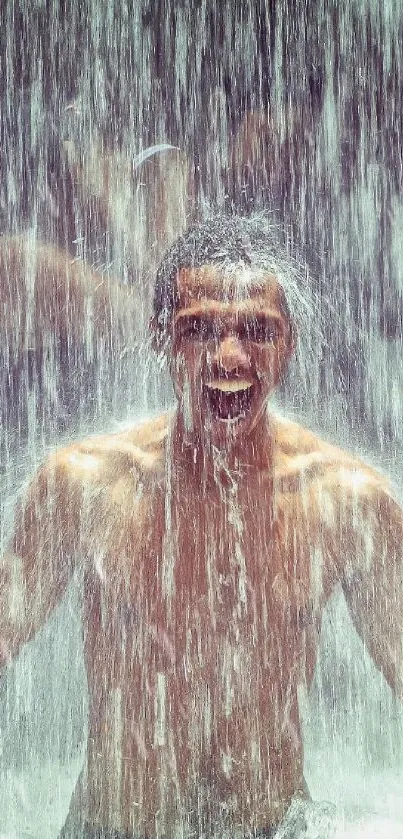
pixel 371 530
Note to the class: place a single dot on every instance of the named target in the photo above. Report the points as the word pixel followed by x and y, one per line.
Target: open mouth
pixel 229 399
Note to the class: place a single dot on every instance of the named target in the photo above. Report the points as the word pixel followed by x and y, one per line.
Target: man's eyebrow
pixel 195 314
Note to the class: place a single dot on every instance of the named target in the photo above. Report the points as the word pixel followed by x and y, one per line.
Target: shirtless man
pixel 210 540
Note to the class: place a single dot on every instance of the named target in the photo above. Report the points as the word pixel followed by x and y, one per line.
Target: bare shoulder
pixel 134 453
pixel 303 459
pixel 353 506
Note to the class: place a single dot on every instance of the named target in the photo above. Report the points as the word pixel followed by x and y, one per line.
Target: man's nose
pixel 230 354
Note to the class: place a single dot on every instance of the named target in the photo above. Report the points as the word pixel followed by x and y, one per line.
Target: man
pixel 210 540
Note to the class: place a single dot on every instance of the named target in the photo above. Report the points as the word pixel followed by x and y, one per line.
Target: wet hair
pixel 231 243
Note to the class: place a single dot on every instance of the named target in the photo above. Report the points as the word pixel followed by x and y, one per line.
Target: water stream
pixel 120 122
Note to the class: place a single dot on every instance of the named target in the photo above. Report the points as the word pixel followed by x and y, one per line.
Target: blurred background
pixel 121 122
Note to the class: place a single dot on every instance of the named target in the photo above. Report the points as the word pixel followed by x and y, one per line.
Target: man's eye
pixel 197 330
pixel 261 331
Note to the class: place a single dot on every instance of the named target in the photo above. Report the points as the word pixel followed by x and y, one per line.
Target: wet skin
pixel 227 332
pixel 209 541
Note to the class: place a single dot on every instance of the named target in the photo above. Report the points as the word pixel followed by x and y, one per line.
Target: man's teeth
pixel 230 385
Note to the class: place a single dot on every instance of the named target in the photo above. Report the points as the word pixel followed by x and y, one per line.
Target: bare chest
pixel 197 578
pixel 200 623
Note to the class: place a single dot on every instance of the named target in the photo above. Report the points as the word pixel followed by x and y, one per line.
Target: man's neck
pixel 198 458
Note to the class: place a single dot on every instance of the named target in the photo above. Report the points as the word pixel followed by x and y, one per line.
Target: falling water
pixel 120 121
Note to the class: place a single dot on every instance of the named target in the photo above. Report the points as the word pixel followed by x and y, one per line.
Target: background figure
pixel 269 106
pixel 67 332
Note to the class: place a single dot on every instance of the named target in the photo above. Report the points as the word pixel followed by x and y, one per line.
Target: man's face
pixel 230 345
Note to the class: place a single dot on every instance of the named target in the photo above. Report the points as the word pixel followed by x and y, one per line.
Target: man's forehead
pixel 211 282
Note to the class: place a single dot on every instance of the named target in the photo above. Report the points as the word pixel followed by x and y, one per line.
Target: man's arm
pixel 38 564
pixel 372 571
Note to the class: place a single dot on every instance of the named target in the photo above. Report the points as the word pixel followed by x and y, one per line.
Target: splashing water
pixel 120 123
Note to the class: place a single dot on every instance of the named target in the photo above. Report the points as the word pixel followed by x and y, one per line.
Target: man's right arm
pixel 39 561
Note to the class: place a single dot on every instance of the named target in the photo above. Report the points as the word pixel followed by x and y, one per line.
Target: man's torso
pixel 202 608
